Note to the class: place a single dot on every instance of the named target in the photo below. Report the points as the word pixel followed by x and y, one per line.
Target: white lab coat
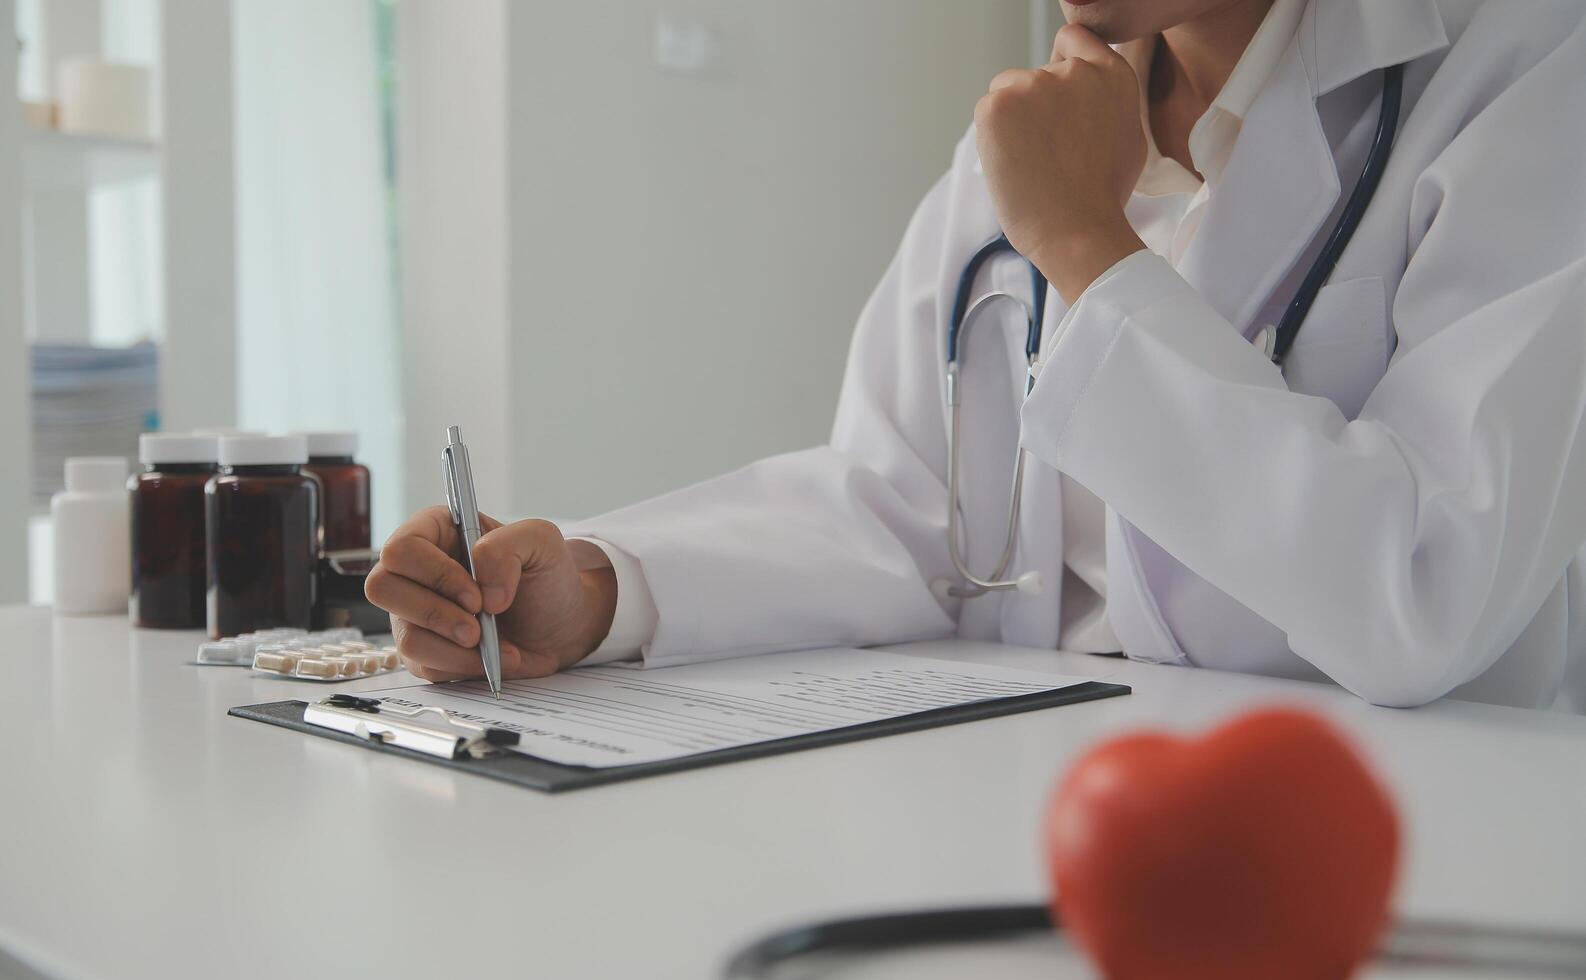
pixel 1402 512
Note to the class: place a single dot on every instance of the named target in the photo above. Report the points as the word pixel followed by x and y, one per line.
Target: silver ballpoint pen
pixel 464 507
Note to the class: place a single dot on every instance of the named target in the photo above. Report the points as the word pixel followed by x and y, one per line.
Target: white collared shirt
pixel 1165 211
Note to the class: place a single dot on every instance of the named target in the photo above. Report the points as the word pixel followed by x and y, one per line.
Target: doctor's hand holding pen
pixel 553 599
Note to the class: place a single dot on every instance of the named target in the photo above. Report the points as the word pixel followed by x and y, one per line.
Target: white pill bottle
pixel 91 524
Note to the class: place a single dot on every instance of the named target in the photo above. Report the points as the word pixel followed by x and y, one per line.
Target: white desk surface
pixel 143 833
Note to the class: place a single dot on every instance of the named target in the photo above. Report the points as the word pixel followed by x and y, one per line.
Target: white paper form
pixel 617 716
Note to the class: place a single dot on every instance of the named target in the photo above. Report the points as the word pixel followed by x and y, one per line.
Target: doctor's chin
pixel 852 488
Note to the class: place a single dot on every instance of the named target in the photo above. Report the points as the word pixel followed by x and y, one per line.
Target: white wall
pixel 621 277
pixel 689 251
pixel 452 178
pixel 198 367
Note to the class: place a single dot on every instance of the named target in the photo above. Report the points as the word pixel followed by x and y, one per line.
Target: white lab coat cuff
pixel 1083 339
pixel 633 624
pixel 1088 335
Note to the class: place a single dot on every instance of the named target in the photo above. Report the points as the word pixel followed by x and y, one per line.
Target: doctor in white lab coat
pixel 1402 509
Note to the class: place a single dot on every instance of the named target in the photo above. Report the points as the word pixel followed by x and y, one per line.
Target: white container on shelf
pixel 92 531
pixel 39 115
pixel 104 98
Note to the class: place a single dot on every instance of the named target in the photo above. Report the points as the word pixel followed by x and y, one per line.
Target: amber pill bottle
pixel 344 489
pixel 168 570
pixel 261 519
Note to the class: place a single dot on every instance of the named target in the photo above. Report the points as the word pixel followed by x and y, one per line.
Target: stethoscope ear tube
pixel 976 586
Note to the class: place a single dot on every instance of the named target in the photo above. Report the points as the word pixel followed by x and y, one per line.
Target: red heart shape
pixel 1263 849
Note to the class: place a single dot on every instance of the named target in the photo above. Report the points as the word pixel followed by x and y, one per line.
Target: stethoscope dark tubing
pixel 1355 209
pixel 966 286
pixel 1535 952
pixel 879 932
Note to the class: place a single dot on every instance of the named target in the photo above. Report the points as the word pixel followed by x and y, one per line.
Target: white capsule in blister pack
pixel 219 652
pixel 316 668
pixel 277 661
pixel 329 655
pixel 241 649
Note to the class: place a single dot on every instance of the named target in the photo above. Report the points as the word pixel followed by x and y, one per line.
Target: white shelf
pixel 46 177
pixel 57 161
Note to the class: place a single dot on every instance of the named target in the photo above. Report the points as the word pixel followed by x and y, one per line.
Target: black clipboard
pixel 555 777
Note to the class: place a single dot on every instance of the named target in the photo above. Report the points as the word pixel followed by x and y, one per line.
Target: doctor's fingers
pixel 1044 83
pixel 408 600
pixel 1074 41
pixel 1074 49
pixel 1017 78
pixel 505 555
pixel 434 658
pixel 418 552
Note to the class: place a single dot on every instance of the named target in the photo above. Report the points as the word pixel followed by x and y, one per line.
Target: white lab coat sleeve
pixel 830 546
pixel 1404 551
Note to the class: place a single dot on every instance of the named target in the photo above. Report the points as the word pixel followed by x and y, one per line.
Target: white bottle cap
pixel 159 447
pixel 222 430
pixel 91 474
pixel 342 443
pixel 263 450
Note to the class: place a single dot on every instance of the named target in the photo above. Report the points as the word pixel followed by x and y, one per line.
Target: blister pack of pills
pixel 331 655
pixel 238 650
pixel 326 661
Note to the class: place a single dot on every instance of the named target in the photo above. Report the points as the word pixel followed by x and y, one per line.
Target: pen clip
pixel 449 478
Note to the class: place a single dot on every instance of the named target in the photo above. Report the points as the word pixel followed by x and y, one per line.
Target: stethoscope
pixel 1275 343
pixel 833 949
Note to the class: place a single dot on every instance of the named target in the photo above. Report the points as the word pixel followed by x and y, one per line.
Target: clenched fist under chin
pixel 1062 148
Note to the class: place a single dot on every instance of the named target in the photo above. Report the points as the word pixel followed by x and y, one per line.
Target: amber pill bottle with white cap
pixel 261 520
pixel 168 562
pixel 344 489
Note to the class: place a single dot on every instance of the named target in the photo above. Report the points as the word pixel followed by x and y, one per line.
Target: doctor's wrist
pixel 1073 261
pixel 600 605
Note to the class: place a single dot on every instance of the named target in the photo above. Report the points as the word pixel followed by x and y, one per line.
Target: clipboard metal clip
pixel 432 731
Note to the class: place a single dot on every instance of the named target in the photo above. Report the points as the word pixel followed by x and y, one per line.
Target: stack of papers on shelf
pixel 89 401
